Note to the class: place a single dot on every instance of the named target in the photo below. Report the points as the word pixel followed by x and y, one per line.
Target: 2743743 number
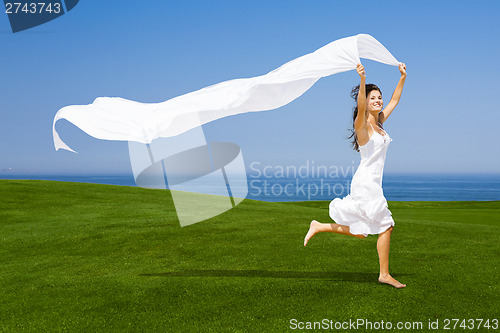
pixel 32 8
pixel 470 324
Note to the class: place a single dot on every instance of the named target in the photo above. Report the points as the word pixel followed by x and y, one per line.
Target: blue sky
pixel 153 51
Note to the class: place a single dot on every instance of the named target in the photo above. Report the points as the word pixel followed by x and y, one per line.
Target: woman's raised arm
pixel 395 96
pixel 361 117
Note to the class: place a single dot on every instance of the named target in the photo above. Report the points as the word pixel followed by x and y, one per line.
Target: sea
pixel 396 187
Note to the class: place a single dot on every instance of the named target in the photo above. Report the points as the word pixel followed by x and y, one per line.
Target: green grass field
pixel 88 257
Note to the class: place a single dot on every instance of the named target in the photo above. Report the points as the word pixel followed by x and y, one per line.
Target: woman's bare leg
pixel 383 245
pixel 317 227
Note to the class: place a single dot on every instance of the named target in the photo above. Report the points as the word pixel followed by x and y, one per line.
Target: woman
pixel 364 211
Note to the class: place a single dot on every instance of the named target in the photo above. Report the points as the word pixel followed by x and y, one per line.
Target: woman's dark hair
pixel 354 94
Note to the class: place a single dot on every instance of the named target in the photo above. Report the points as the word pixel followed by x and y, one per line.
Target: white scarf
pixel 115 118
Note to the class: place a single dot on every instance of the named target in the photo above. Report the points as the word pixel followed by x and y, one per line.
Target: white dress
pixel 365 209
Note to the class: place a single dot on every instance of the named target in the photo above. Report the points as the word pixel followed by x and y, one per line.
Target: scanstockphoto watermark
pixel 308 180
pixel 354 324
pixel 366 324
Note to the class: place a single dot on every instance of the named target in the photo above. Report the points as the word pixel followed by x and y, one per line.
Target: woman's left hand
pixel 402 69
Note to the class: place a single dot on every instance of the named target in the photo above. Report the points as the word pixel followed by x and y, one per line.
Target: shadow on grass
pixel 334 276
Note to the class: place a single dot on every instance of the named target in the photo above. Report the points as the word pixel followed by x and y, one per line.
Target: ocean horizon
pixel 396 186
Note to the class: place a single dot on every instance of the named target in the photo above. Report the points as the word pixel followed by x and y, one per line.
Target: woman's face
pixel 374 101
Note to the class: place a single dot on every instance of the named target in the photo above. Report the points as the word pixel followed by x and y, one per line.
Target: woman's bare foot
pixel 313 229
pixel 390 280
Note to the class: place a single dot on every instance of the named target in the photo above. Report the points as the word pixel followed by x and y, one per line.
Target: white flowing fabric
pixel 114 118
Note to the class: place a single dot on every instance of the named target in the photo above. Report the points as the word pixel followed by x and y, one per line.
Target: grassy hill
pixel 89 257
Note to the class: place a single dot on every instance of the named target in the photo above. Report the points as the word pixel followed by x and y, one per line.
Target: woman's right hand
pixel 361 71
